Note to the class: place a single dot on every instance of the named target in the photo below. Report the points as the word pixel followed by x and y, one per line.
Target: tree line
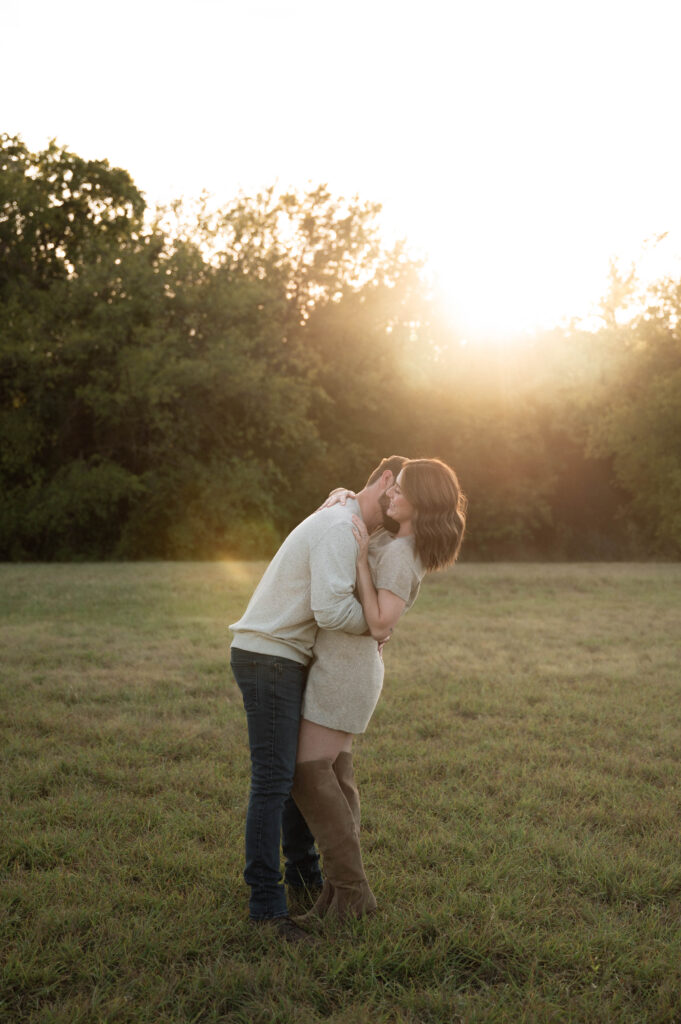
pixel 189 382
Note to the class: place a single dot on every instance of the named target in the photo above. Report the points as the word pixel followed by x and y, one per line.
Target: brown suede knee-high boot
pixel 320 798
pixel 343 770
pixel 345 774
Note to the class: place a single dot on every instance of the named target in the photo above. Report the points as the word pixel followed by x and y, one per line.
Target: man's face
pixel 388 524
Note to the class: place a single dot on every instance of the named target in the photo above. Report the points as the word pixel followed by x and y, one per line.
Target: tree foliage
pixel 639 421
pixel 189 382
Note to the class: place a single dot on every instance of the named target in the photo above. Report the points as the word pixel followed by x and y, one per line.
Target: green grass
pixel 521 805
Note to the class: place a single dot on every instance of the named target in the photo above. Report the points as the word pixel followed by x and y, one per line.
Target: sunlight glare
pixel 505 292
pixel 236 572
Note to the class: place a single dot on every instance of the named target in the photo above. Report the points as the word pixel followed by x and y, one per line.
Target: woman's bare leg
pixel 316 742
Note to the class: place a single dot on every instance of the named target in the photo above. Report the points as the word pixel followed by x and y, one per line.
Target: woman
pixel 346 676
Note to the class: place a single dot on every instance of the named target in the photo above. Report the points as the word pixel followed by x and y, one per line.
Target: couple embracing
pixel 307 657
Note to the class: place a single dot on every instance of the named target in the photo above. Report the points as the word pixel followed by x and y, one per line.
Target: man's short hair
pixel 394 463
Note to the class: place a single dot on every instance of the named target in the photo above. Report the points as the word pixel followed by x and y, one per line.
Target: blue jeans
pixel 272 691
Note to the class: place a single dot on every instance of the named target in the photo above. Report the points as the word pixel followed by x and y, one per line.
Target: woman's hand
pixel 337 497
pixel 382 643
pixel 362 537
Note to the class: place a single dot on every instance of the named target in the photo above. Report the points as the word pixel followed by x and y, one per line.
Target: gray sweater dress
pixel 346 675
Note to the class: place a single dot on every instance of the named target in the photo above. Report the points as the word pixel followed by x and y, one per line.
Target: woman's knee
pixel 316 741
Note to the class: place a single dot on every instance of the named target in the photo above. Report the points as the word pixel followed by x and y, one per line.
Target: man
pixel 309 583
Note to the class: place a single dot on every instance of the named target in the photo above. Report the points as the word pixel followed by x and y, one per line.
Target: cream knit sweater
pixel 309 583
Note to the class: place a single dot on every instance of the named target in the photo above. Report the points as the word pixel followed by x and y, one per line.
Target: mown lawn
pixel 521 805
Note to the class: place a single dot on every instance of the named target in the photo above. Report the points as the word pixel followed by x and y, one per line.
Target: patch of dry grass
pixel 520 797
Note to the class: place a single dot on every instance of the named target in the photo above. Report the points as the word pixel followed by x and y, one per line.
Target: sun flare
pixel 502 292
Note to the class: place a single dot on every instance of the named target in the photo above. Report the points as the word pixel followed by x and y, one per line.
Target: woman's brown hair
pixel 433 490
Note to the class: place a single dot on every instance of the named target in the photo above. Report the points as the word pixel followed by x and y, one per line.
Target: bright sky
pixel 519 143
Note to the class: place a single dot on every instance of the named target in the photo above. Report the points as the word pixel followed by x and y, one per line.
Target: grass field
pixel 521 805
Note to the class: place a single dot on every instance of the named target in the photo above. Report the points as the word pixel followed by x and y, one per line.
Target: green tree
pixel 68 228
pixel 157 387
pixel 189 385
pixel 639 421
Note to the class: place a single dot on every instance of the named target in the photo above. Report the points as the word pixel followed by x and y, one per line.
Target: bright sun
pixel 502 290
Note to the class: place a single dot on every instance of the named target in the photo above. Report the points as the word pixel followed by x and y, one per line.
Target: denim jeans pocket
pixel 290 673
pixel 239 657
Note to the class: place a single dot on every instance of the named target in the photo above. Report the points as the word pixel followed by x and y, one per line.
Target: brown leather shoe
pixel 284 928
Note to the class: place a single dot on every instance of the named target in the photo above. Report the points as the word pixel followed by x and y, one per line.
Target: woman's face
pixel 399 508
